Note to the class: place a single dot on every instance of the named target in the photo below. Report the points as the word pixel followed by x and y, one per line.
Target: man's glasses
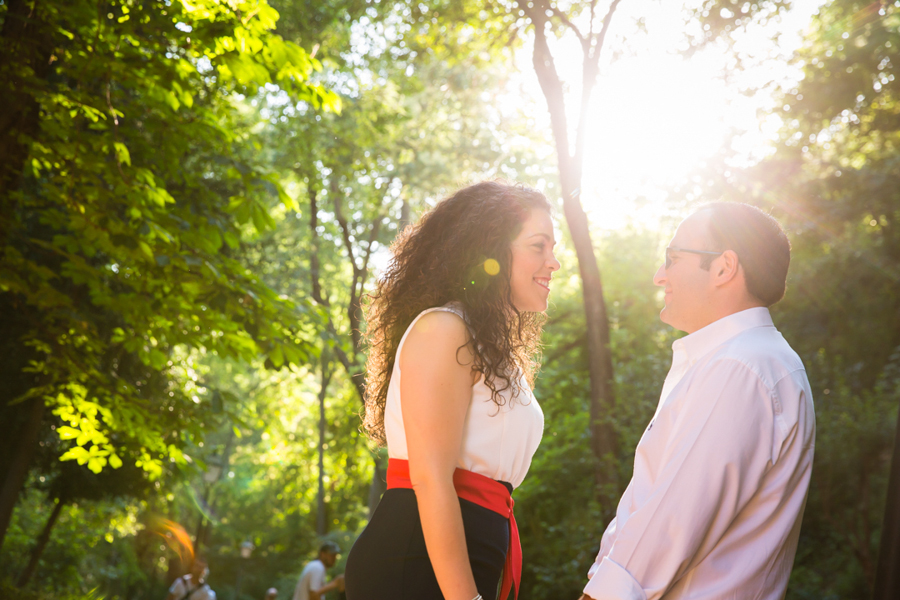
pixel 671 249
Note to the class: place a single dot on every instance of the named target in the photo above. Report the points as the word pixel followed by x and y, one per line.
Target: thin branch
pixel 314 251
pixel 590 70
pixel 601 37
pixel 524 7
pixel 342 221
pixel 560 351
pixel 373 235
pixel 551 85
pixel 568 23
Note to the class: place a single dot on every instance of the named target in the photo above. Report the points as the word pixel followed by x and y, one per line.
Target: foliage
pixel 91 547
pixel 122 241
pixel 178 181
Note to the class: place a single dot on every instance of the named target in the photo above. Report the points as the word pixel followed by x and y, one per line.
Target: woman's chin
pixel 537 306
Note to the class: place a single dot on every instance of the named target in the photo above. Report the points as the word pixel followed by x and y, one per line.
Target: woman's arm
pixel 436 388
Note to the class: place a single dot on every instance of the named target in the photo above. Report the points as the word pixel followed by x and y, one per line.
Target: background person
pixel 193 586
pixel 311 585
pixel 458 313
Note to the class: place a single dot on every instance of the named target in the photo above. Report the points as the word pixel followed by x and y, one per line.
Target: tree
pixel 73 483
pixel 121 204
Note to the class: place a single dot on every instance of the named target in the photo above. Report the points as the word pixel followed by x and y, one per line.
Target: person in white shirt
pixel 721 473
pixel 311 585
pixel 192 586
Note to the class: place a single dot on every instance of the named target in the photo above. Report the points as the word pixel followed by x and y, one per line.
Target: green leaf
pixel 68 433
pixel 157 359
pixel 96 464
pixel 122 153
pixel 277 356
pixel 145 248
pixel 77 453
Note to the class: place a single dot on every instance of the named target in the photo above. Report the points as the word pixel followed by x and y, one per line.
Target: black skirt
pixel 389 560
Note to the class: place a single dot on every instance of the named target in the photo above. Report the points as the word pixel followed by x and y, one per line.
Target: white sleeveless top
pixel 498 441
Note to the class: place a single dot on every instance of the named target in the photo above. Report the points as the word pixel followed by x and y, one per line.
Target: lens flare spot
pixel 491 267
pixel 175 536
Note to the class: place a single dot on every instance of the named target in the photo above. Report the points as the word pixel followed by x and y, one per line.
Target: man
pixel 271 594
pixel 311 585
pixel 193 586
pixel 721 473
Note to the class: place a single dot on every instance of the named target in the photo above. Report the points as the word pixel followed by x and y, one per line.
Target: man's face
pixel 688 286
pixel 199 571
pixel 328 558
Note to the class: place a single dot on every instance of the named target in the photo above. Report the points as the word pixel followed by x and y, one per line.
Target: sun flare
pixel 656 115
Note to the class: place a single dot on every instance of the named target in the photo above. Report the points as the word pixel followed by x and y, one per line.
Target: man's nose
pixel 660 277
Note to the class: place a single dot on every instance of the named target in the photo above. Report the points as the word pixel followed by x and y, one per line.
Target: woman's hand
pixel 436 389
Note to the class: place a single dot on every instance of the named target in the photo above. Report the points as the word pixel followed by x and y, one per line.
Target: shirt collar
pixel 703 340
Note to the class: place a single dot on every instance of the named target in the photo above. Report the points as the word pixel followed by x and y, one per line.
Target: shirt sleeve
pixel 177 588
pixel 300 583
pixel 317 577
pixel 711 461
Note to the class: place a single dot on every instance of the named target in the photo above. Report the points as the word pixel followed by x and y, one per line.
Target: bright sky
pixel 656 115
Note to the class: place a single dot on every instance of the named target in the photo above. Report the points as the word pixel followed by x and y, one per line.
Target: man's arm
pixel 717 450
pixel 335 584
pixel 176 586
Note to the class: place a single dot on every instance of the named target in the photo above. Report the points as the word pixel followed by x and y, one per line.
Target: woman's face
pixel 533 263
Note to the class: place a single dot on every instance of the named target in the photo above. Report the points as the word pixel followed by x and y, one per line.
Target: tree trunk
pixel 887 574
pixel 26 44
pixel 40 545
pixel 203 524
pixel 321 524
pixel 600 369
pixel 21 460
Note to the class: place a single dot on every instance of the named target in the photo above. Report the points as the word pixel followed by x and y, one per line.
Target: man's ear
pixel 726 267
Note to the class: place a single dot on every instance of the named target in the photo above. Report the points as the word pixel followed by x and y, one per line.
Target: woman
pixel 458 313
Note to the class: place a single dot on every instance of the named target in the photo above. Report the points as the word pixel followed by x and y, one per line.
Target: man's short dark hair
pixel 331 547
pixel 760 243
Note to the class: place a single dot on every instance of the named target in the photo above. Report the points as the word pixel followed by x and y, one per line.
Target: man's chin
pixel 664 315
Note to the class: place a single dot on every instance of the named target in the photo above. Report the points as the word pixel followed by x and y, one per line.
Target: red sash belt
pixel 485 492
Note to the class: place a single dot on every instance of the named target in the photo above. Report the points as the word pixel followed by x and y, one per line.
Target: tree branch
pixel 551 85
pixel 314 251
pixel 564 19
pixel 601 37
pixel 589 71
pixel 373 235
pixel 560 351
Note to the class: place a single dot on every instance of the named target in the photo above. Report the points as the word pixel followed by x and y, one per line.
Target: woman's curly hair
pixel 453 254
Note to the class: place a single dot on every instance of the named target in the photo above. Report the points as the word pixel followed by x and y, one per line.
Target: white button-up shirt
pixel 721 473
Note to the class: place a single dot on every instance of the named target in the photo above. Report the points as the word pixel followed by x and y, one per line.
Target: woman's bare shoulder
pixel 437 334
